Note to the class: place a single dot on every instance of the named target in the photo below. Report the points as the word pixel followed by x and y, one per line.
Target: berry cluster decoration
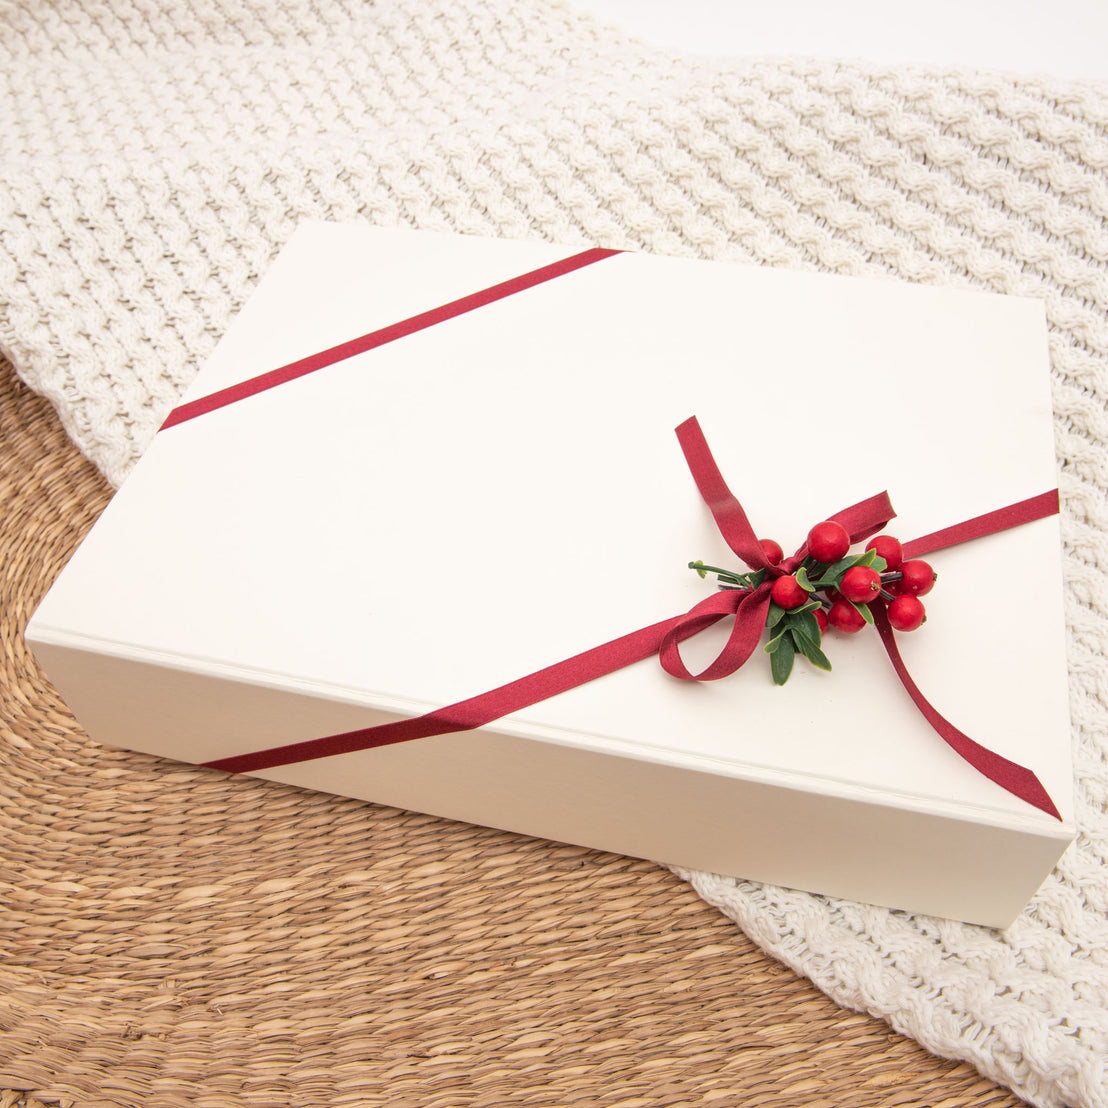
pixel 830 588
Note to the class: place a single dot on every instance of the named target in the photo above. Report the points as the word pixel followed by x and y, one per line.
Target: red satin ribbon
pixel 749 607
pixel 360 345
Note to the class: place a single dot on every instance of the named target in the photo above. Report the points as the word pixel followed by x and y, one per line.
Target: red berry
pixel 821 619
pixel 828 541
pixel 860 584
pixel 787 593
pixel 845 617
pixel 918 579
pixel 888 548
pixel 906 613
pixel 772 551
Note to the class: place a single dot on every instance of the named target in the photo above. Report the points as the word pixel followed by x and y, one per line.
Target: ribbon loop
pixel 749 609
pixel 861 520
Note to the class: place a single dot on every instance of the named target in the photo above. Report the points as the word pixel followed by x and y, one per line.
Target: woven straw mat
pixel 175 937
pixel 172 936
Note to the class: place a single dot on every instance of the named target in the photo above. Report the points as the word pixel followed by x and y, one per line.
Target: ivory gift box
pixel 496 487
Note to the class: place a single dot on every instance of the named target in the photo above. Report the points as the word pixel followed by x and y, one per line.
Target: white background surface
pixel 1066 38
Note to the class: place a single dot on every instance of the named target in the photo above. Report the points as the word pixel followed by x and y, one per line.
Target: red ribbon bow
pixel 749 607
pixel 861 520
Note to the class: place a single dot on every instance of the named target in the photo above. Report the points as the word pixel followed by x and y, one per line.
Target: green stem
pixel 701 568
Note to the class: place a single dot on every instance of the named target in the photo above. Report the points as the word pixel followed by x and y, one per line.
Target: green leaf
pixel 776 614
pixel 804 627
pixel 814 655
pixel 811 606
pixel 781 661
pixel 776 641
pixel 698 565
pixel 830 579
pixel 867 615
pixel 802 580
pixel 879 564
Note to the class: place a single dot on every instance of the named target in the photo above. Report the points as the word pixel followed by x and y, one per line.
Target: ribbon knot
pixel 749 607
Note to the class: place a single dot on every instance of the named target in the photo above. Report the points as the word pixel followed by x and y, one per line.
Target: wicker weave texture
pixel 175 937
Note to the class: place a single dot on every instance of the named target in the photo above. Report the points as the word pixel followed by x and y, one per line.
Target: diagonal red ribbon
pixel 254 385
pixel 750 609
pixel 1024 511
pixel 465 715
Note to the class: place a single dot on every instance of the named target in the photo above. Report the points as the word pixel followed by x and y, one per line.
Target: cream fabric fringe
pixel 155 156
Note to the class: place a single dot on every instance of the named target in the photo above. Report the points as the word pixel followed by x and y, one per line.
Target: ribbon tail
pixel 726 510
pixel 1009 775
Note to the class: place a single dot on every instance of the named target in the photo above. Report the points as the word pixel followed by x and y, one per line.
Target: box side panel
pixel 873 852
pixel 189 716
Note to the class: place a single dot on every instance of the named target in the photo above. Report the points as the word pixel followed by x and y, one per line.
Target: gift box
pixel 420 467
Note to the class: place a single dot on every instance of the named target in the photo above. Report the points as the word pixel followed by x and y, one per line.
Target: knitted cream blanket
pixel 155 155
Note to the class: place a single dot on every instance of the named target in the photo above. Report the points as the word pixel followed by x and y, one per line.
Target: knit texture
pixel 157 155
